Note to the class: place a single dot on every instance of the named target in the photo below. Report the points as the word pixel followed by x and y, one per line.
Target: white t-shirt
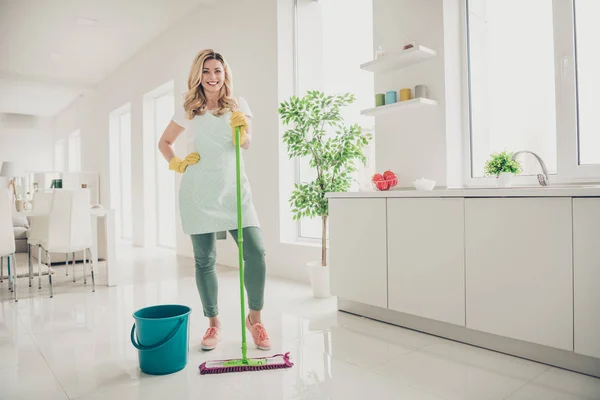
pixel 180 119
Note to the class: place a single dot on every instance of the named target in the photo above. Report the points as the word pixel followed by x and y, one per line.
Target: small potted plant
pixel 503 167
pixel 333 149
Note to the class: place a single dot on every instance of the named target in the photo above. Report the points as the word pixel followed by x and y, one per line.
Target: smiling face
pixel 210 78
pixel 213 76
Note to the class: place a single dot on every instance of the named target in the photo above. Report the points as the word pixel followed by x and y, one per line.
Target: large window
pixel 587 32
pixel 532 72
pixel 160 195
pixel 75 152
pixel 120 170
pixel 329 52
pixel 59 155
pixel 165 179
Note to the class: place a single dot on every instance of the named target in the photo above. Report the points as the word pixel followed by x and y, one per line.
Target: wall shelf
pixel 391 108
pixel 400 59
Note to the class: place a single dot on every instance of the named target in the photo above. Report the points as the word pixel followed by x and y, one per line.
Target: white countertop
pixel 515 191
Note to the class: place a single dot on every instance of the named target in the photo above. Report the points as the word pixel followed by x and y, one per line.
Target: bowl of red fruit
pixel 384 181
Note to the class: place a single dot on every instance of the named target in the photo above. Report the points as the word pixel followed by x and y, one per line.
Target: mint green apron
pixel 207 195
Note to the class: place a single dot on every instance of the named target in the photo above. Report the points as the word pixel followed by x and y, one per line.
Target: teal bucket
pixel 160 333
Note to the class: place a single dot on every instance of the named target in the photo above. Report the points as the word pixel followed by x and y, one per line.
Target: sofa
pixel 20 228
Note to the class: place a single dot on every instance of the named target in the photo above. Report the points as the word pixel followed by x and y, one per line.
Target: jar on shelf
pixel 408 44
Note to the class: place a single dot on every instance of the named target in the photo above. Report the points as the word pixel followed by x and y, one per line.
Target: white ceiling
pixel 47 58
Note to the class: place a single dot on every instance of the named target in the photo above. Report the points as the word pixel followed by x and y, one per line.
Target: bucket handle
pixel 138 346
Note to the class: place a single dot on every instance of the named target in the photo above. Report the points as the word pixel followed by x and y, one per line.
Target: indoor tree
pixel 332 147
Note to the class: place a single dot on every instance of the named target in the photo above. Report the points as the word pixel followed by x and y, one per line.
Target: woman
pixel 207 196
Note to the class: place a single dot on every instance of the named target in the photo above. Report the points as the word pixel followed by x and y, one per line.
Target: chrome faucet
pixel 543 177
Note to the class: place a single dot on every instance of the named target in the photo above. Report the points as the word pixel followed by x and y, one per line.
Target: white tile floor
pixel 76 346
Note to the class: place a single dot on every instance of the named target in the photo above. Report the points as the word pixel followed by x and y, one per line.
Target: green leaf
pixel 501 162
pixel 333 148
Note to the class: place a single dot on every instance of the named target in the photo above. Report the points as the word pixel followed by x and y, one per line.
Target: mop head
pixel 277 361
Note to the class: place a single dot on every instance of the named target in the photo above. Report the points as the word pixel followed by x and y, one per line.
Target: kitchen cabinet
pixel 586 273
pixel 358 250
pixel 426 264
pixel 519 269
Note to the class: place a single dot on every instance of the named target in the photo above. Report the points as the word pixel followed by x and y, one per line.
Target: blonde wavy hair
pixel 195 102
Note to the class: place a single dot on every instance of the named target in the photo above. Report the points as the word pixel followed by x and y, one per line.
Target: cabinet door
pixel 519 269
pixel 586 271
pixel 357 250
pixel 426 266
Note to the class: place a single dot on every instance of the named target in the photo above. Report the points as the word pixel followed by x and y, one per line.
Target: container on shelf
pixel 408 44
pixel 391 97
pixel 380 52
pixel 421 91
pixel 405 94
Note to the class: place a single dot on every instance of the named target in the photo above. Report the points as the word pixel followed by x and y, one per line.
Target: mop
pixel 277 361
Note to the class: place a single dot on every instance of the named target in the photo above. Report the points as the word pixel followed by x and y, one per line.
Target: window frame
pixel 567 134
pixel 167 89
pixel 115 163
pixel 62 165
pixel 302 233
pixel 298 237
pixel 74 143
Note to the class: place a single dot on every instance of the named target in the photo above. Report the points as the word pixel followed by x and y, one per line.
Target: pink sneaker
pixel 259 334
pixel 211 338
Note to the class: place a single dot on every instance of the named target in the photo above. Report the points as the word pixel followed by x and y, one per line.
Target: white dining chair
pixel 41 204
pixel 69 229
pixel 7 240
pixel 38 228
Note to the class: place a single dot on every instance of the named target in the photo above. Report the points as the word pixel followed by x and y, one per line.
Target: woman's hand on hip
pixel 178 165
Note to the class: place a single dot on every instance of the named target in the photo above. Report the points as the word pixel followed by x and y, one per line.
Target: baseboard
pixel 531 351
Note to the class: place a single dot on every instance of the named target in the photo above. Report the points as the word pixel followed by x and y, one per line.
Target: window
pixel 165 179
pixel 75 152
pixel 120 169
pixel 587 32
pixel 530 88
pixel 512 80
pixel 59 155
pixel 327 63
pixel 160 195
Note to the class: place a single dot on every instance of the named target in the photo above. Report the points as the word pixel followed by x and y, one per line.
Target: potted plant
pixel 333 149
pixel 503 167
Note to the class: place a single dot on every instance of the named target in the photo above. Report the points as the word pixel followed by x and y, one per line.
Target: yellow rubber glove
pixel 238 119
pixel 178 165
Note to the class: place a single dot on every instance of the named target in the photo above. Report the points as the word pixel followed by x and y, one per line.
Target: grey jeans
pixel 205 255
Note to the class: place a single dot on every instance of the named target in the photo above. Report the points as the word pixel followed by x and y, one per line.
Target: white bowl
pixel 424 184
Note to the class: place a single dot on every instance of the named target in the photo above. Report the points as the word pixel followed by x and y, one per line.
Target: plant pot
pixel 319 279
pixel 504 179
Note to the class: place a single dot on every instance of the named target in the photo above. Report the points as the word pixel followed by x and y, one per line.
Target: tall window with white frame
pixel 59 155
pixel 329 51
pixel 587 32
pixel 75 151
pixel 165 179
pixel 534 89
pixel 120 169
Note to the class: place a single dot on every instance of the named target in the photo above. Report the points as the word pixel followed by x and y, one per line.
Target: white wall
pixel 416 143
pixel 27 141
pixel 249 41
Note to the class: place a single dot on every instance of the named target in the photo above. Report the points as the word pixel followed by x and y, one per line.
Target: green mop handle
pixel 240 240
